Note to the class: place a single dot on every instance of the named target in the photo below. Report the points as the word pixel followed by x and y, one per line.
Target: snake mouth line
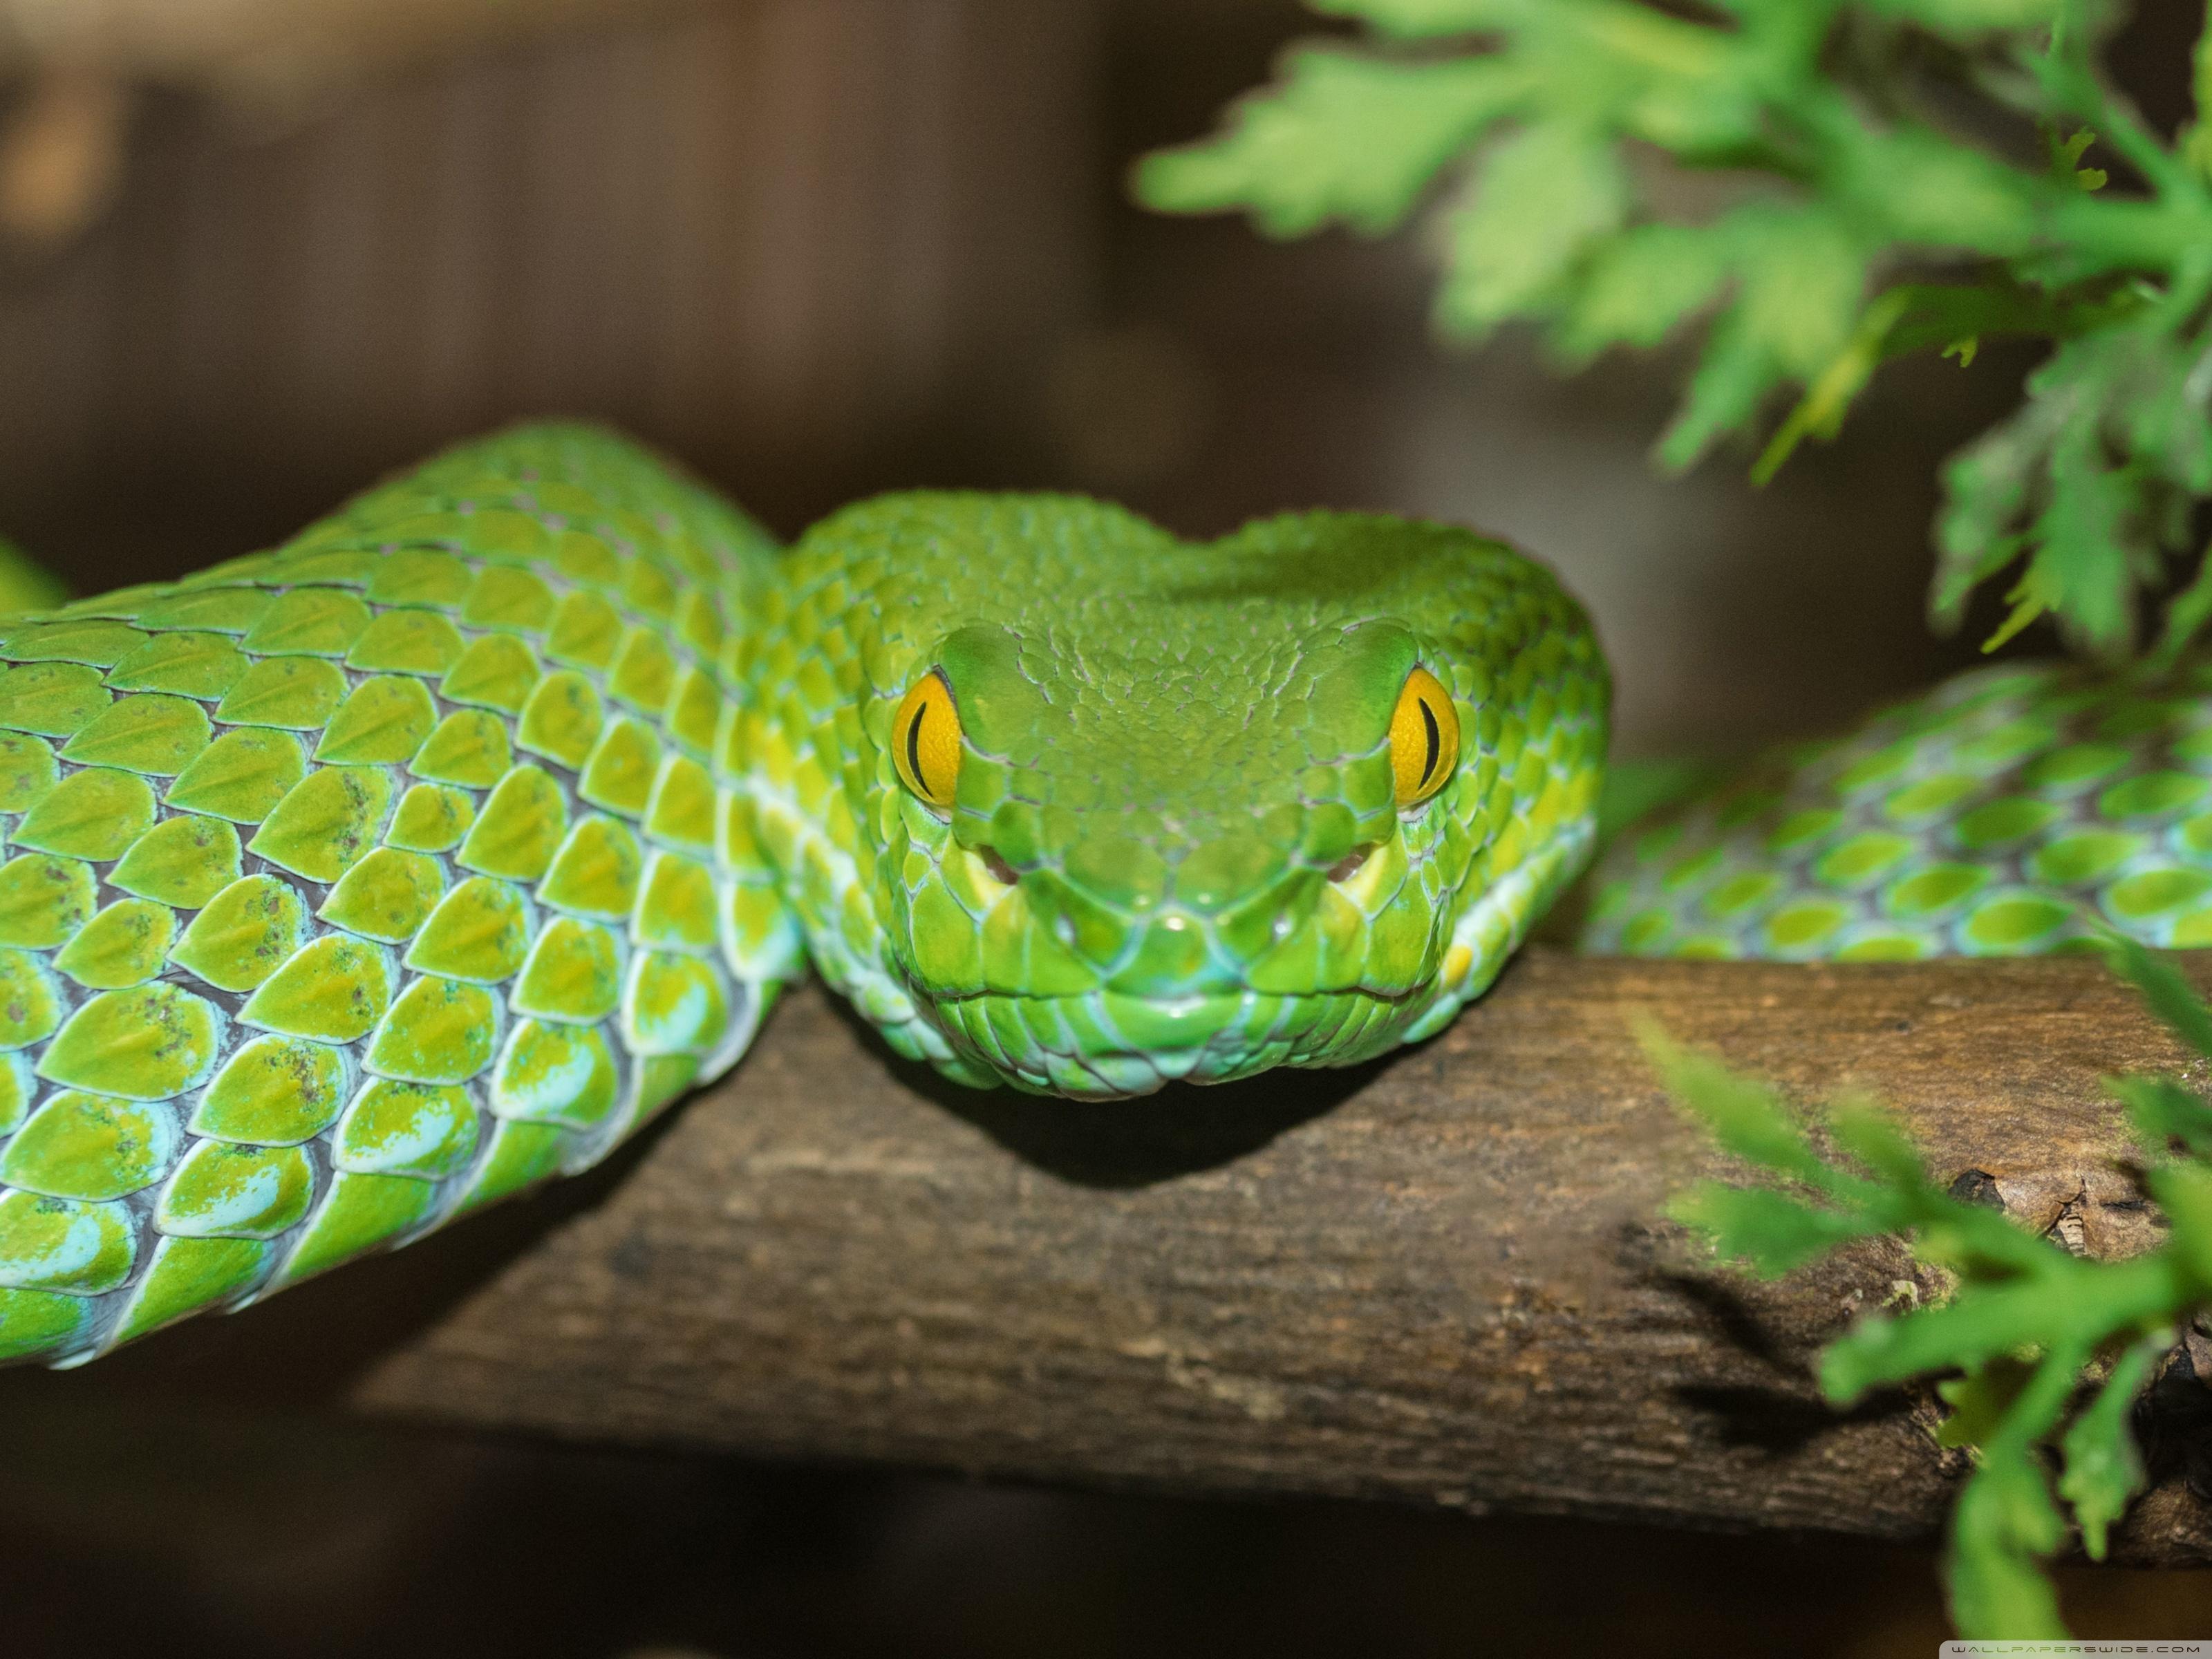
pixel 1084 1045
pixel 1342 871
pixel 1171 1004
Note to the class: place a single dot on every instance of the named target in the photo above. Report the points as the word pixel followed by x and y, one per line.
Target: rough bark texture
pixel 1443 1277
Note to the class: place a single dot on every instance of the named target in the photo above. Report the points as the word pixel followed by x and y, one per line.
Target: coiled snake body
pixel 350 886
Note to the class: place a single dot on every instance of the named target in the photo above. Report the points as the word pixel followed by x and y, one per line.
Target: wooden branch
pixel 1442 1277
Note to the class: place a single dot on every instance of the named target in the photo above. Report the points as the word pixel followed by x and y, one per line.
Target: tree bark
pixel 1443 1277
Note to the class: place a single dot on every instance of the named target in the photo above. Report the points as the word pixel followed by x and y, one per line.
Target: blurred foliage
pixel 25 585
pixel 1891 176
pixel 2042 1354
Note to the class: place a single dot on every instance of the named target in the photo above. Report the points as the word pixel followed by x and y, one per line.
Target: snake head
pixel 1128 811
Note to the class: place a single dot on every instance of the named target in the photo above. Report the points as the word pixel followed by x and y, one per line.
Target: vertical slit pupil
pixel 913 747
pixel 1430 735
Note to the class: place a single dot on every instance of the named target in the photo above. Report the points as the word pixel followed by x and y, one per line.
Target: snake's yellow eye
pixel 926 741
pixel 1424 739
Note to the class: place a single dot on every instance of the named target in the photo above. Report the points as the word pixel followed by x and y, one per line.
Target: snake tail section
pixel 2013 809
pixel 350 886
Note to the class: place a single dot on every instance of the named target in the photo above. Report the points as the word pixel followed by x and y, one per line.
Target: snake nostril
pixel 1000 870
pixel 1350 864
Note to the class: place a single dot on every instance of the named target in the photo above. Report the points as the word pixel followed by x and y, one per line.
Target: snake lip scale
pixel 349 886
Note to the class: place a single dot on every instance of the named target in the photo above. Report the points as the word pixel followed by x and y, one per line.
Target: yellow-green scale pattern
pixel 2013 809
pixel 348 887
pixel 1176 851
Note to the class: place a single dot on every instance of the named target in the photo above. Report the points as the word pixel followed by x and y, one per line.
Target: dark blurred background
pixel 258 252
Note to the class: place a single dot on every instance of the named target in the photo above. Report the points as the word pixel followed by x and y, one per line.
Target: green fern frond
pixel 2044 1354
pixel 1526 121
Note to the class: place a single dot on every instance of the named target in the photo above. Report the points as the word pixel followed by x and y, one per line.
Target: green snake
pixel 352 885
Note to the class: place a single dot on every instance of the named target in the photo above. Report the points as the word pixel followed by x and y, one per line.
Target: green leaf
pixel 1799 278
pixel 1347 135
pixel 1986 487
pixel 2184 1191
pixel 1411 19
pixel 2160 407
pixel 2090 483
pixel 1638 287
pixel 1745 1116
pixel 2162 1110
pixel 1931 192
pixel 2081 567
pixel 1981 1244
pixel 1773 1233
pixel 1733 374
pixel 1970 1331
pixel 2165 988
pixel 2185 618
pixel 2197 137
pixel 2090 477
pixel 2030 604
pixel 1968 18
pixel 1979 1401
pixel 1868 1132
pixel 1543 197
pixel 2023 1323
pixel 2003 1523
pixel 2104 1469
pixel 1803 274
pixel 2066 152
pixel 1819 412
